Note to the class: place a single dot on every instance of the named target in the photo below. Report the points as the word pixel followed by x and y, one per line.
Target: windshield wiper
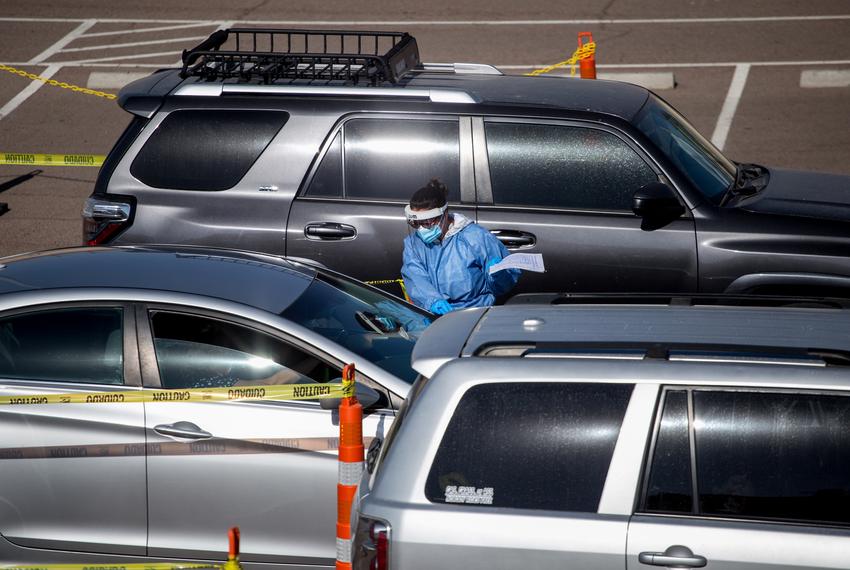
pixel 750 179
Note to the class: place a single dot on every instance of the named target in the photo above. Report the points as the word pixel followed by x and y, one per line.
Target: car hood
pixel 800 193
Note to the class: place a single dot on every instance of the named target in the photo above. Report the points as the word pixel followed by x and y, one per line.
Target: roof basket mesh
pixel 261 55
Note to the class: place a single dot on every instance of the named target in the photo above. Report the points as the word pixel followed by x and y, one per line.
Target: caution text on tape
pixel 32 159
pixel 272 392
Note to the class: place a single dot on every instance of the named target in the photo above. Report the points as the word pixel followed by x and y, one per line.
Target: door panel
pixel 564 190
pixel 269 468
pixel 350 215
pixel 738 545
pixel 71 475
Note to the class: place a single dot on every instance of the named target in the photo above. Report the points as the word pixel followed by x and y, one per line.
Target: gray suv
pixel 309 143
pixel 610 436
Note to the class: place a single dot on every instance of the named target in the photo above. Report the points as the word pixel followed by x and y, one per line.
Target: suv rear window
pixel 205 149
pixel 529 446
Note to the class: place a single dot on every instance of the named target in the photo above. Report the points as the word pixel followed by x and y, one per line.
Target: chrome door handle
pixel 676 556
pixel 515 239
pixel 329 231
pixel 182 429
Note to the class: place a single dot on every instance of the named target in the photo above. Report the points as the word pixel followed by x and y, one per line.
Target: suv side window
pixel 205 149
pixel 200 352
pixel 64 345
pixel 389 159
pixel 777 456
pixel 556 166
pixel 529 446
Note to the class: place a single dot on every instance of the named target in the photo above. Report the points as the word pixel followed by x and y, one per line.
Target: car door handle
pixel 182 429
pixel 676 556
pixel 329 231
pixel 514 239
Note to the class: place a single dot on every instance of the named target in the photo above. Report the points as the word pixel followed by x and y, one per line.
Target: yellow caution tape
pixel 583 52
pixel 30 159
pixel 133 566
pixel 390 282
pixel 271 392
pixel 55 83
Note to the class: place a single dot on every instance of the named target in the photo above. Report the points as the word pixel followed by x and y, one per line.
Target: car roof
pixel 265 282
pixel 614 98
pixel 516 329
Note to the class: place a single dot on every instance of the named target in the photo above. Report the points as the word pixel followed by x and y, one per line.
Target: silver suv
pixel 618 436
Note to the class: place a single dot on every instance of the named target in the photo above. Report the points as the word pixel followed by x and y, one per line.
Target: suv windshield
pixel 707 169
pixel 365 321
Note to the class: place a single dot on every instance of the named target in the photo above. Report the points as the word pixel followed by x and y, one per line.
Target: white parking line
pixel 113 80
pixel 812 79
pixel 76 33
pixel 529 67
pixel 120 57
pixel 28 91
pixel 146 30
pixel 730 105
pixel 134 44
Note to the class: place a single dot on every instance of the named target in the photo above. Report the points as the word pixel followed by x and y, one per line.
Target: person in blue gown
pixel 447 257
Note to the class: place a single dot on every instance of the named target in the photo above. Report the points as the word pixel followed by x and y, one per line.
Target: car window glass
pixel 200 352
pixel 328 179
pixel 205 149
pixel 529 446
pixel 669 489
pixel 563 167
pixel 773 456
pixel 389 159
pixel 64 345
pixel 368 323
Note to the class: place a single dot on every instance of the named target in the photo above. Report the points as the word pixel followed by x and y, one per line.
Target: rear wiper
pixel 750 179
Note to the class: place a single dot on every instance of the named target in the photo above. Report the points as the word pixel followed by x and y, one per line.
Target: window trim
pixel 131 365
pixel 151 378
pixel 640 508
pixel 484 180
pixel 466 157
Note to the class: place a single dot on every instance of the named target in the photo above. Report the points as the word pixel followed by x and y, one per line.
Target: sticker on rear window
pixel 469 495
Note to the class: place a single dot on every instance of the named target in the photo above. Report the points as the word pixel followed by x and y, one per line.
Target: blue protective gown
pixel 454 268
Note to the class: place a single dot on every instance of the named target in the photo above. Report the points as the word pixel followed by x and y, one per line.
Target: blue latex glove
pixel 441 307
pixel 490 263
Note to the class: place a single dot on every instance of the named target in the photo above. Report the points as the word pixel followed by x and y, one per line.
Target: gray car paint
pixel 707 249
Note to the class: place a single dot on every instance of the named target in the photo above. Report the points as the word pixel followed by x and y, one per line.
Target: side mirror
pixel 365 395
pixel 657 201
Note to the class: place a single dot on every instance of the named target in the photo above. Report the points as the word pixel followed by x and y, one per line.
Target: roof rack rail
pixel 271 55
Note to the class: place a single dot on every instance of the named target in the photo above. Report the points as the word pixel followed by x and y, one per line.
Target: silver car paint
pixel 427 535
pixel 192 500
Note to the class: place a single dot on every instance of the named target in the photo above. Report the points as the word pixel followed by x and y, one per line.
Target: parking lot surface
pixel 766 81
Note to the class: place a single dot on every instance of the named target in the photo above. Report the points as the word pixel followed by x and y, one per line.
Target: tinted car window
pixel 328 179
pixel 389 159
pixel 374 326
pixel 529 446
pixel 775 456
pixel 64 345
pixel 669 489
pixel 200 352
pixel 205 150
pixel 563 167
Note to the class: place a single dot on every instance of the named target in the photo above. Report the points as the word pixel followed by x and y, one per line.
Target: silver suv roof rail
pixel 428 94
pixel 459 68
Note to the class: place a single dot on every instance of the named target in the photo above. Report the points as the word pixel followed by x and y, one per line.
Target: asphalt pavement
pixel 767 81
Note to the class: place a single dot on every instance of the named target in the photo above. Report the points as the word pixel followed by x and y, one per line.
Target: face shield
pixel 426 223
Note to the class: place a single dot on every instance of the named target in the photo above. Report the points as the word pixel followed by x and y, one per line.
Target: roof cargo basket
pixel 268 56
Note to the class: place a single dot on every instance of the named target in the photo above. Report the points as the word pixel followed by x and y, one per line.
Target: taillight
pixel 379 533
pixel 103 220
pixel 371 545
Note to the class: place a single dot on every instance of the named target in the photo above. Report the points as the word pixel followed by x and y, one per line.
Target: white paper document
pixel 524 261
